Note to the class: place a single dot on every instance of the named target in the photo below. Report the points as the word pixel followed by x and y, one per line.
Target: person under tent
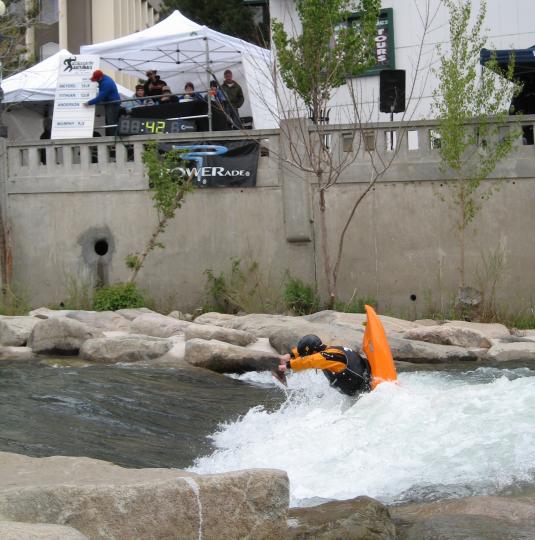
pixel 109 96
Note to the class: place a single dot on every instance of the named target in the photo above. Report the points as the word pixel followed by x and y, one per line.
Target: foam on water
pixel 436 434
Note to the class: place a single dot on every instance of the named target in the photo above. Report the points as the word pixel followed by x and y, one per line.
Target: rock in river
pixel 156 325
pixel 211 331
pixel 59 335
pixel 506 352
pixel 15 331
pixel 361 518
pixel 225 358
pixel 104 501
pixel 103 320
pixel 132 348
pixel 14 530
pixel 446 334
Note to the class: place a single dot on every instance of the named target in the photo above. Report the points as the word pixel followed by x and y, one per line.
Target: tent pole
pixel 209 97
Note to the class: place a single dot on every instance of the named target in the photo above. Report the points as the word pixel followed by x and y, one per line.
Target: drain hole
pixel 413 297
pixel 101 247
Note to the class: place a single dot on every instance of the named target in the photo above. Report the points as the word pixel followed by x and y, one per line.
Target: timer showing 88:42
pixel 145 126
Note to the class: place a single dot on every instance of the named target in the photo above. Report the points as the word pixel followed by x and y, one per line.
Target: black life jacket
pixel 355 379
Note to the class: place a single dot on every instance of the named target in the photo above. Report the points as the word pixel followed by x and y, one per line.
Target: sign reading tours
pixel 384 41
pixel 72 119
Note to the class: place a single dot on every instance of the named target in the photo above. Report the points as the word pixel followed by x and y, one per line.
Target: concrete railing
pixel 116 163
pixel 104 163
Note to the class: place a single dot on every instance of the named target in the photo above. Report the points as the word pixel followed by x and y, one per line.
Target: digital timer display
pixel 146 126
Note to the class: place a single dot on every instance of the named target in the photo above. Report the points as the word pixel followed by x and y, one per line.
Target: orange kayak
pixel 375 345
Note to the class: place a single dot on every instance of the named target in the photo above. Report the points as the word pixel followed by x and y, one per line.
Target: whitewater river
pixel 454 432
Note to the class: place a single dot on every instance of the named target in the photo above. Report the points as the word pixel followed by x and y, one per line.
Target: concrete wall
pixel 402 242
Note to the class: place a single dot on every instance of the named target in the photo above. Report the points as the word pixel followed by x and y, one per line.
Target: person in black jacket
pixel 346 369
pixel 154 85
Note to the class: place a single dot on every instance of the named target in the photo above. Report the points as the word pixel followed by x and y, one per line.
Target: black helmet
pixel 309 345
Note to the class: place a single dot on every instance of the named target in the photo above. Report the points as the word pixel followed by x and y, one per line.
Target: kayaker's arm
pixel 315 361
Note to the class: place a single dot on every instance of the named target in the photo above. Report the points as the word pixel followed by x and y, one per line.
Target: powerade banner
pixel 221 164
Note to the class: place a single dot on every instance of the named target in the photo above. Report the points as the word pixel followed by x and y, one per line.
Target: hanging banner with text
pixel 221 164
pixel 385 50
pixel 72 119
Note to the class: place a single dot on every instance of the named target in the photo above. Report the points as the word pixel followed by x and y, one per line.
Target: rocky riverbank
pixel 236 344
pixel 76 498
pixel 64 497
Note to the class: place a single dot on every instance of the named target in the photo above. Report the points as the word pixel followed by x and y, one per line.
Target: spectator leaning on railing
pixel 139 99
pixel 189 94
pixel 107 92
pixel 167 96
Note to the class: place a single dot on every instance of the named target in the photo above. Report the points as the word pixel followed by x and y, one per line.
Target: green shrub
pixel 79 294
pixel 118 296
pixel 299 297
pixel 12 302
pixel 246 288
pixel 355 305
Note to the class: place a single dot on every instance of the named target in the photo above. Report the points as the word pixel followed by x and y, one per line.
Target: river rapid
pixel 445 433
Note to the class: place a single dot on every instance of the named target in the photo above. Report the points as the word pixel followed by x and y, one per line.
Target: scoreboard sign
pixel 385 50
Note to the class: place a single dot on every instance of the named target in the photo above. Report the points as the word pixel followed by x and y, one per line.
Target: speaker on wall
pixel 392 90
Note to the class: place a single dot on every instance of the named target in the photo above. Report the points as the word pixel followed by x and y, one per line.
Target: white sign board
pixel 72 119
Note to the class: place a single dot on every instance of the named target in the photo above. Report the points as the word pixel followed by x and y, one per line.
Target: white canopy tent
pixel 38 83
pixel 182 50
pixel 30 93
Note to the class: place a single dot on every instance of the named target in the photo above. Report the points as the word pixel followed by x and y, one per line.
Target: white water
pixel 437 434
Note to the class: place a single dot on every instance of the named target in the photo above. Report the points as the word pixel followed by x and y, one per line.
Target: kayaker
pixel 346 370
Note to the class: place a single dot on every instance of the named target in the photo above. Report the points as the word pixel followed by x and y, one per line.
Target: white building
pixel 510 24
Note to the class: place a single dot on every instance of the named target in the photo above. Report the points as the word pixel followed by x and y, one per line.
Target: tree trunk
pixel 325 251
pixel 462 228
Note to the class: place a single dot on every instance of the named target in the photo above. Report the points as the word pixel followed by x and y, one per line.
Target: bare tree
pixel 309 145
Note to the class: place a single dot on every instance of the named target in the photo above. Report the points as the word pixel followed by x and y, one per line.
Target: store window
pixel 48 11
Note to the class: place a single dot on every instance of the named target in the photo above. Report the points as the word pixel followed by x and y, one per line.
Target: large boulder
pixel 511 352
pixel 133 313
pixel 14 530
pixel 104 501
pixel 357 320
pixel 211 331
pixel 225 358
pixel 361 518
pixel 285 337
pixel 512 508
pixel 479 517
pixel 47 313
pixel 452 527
pixel 421 352
pixel 103 320
pixel 60 335
pixel 15 331
pixel 489 330
pixel 16 353
pixel 219 319
pixel 132 348
pixel 156 325
pixel 445 334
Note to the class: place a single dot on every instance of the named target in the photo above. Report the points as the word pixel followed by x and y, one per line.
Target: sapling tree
pixel 322 57
pixel 169 189
pixel 471 104
pixel 18 19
